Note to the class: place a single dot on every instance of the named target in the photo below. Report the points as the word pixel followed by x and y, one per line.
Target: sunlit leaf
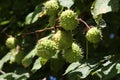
pixel 37 65
pixel 109 70
pixel 81 70
pixel 5 59
pixel 4 22
pixel 33 16
pixel 66 3
pixel 27 60
pixel 14 76
pixel 20 74
pixel 104 6
pixel 23 76
pixel 72 67
pixel 43 60
pixel 13 52
pixel 7 76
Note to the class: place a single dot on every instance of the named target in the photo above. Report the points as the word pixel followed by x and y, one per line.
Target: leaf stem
pixel 81 20
pixel 86 50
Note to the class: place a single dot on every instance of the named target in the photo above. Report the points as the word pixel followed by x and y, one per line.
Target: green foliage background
pixel 21 17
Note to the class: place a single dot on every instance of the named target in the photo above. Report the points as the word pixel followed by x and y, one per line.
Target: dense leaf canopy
pixel 28 23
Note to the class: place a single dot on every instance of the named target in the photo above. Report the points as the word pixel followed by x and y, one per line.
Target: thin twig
pixel 42 30
pixel 81 20
pixel 45 29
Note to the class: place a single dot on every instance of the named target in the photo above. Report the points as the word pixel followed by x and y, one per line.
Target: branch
pixel 42 30
pixel 54 28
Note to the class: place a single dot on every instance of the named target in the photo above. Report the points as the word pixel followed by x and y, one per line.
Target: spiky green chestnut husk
pixel 68 20
pixel 51 7
pixel 63 39
pixel 73 54
pixel 46 48
pixel 94 35
pixel 11 42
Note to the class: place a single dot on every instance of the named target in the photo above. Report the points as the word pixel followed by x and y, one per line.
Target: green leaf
pixel 118 68
pixel 104 6
pixel 109 70
pixel 14 55
pixel 13 52
pixel 43 61
pixel 23 76
pixel 72 67
pixel 66 3
pixel 19 56
pixel 5 59
pixel 74 76
pixel 29 18
pixel 57 64
pixel 14 76
pixel 20 74
pixel 27 60
pixel 4 22
pixel 37 65
pixel 33 16
pixel 81 70
pixel 7 76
